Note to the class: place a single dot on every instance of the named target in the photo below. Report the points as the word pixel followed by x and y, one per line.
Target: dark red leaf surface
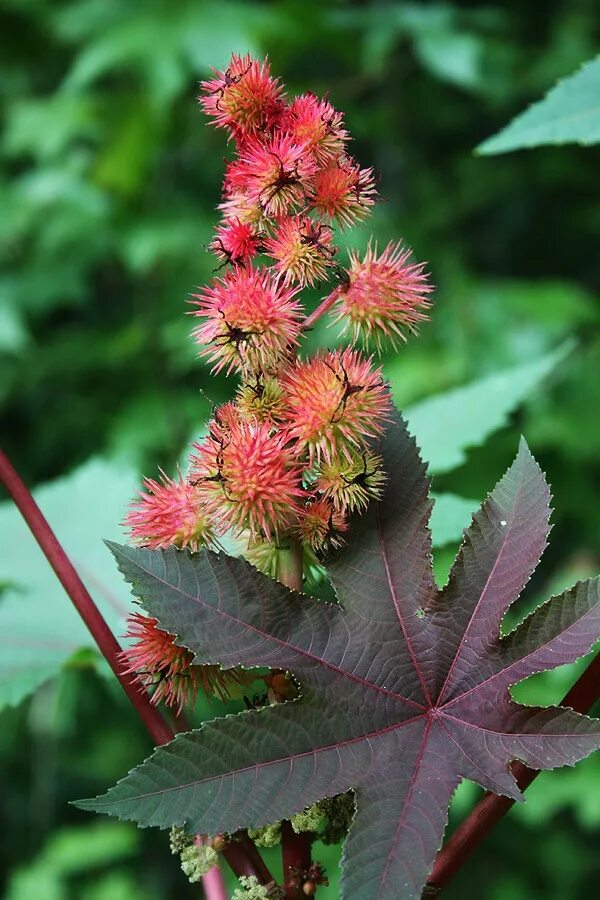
pixel 404 688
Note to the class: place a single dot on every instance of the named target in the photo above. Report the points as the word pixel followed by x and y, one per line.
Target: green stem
pixel 295 848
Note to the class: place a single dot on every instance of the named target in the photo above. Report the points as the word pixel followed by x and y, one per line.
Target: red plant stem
pixel 246 859
pixel 295 853
pixel 295 848
pixel 491 808
pixel 323 307
pixel 159 730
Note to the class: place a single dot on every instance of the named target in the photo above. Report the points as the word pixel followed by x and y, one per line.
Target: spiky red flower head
pixel 168 670
pixel 318 125
pixel 244 98
pixel 251 320
pixel 334 401
pixel 350 482
pixel 303 250
pixel 237 206
pixel 384 295
pixel 235 242
pixel 321 526
pixel 343 191
pixel 273 174
pixel 159 663
pixel 248 478
pixel 169 514
pixel 262 398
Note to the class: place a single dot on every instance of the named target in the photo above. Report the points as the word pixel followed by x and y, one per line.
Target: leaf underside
pixel 404 688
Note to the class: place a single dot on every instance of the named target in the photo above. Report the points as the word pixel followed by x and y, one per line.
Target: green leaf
pixel 39 628
pixel 449 517
pixel 568 114
pixel 447 424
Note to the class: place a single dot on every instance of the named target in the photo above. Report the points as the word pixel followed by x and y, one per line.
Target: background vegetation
pixel 108 182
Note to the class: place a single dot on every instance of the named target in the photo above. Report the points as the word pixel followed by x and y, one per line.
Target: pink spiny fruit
pixel 343 191
pixel 169 513
pixel 275 174
pixel 235 242
pixel 384 296
pixel 158 663
pixel 248 478
pixel 321 525
pixel 251 320
pixel 334 401
pixel 303 250
pixel 351 481
pixel 318 125
pixel 245 98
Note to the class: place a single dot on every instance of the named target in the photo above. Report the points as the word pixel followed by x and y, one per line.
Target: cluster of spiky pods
pixel 290 459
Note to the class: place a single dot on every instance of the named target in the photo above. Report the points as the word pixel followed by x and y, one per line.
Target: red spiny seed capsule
pixel 303 250
pixel 321 526
pixel 274 175
pixel 169 513
pixel 384 296
pixel 249 479
pixel 244 98
pixel 158 663
pixel 350 482
pixel 316 123
pixel 251 320
pixel 334 401
pixel 343 191
pixel 262 398
pixel 236 205
pixel 235 242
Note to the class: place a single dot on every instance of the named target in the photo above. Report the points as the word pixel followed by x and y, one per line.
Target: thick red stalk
pixel 323 307
pixel 246 859
pixel 295 848
pixel 491 808
pixel 159 730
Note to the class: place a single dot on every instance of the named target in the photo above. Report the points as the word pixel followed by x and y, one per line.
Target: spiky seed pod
pixel 249 480
pixel 384 296
pixel 321 525
pixel 303 250
pixel 343 191
pixel 334 401
pixel 351 481
pixel 245 98
pixel 158 663
pixel 275 175
pixel 168 670
pixel 261 398
pixel 250 320
pixel 169 513
pixel 235 242
pixel 197 860
pixel 317 124
pixel 267 836
pixel 237 206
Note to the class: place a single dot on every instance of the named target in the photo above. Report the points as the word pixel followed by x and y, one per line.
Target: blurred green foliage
pixel 108 181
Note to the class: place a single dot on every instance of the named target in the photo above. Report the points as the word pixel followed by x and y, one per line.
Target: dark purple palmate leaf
pixel 404 688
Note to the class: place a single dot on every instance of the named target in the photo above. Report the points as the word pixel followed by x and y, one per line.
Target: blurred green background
pixel 108 182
